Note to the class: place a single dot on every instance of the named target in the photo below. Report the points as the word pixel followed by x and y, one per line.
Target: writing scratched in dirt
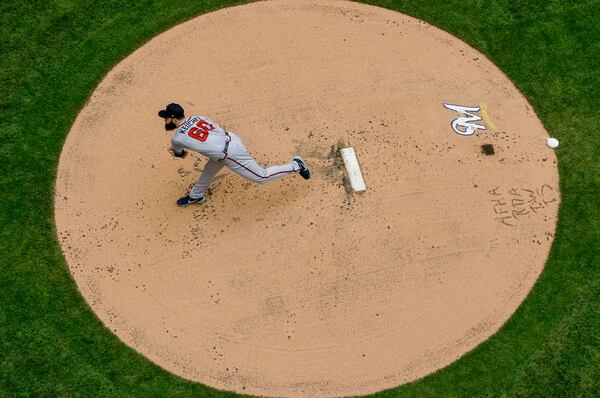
pixel 510 205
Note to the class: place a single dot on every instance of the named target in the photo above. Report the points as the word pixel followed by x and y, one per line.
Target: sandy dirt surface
pixel 300 288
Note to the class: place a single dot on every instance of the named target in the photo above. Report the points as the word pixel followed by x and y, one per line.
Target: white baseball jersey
pixel 202 135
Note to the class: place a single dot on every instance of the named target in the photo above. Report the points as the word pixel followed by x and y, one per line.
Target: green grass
pixel 55 52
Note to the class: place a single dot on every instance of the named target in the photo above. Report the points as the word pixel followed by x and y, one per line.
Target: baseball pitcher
pixel 222 148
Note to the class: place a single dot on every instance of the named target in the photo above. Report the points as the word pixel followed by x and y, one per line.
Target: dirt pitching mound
pixel 301 288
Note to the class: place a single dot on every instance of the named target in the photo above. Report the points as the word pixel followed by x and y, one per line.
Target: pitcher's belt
pixel 227 141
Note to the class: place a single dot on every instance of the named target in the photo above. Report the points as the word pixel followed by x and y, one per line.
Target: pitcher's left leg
pixel 242 163
pixel 247 167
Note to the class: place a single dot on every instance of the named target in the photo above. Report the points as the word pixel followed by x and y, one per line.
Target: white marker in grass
pixel 353 169
pixel 552 142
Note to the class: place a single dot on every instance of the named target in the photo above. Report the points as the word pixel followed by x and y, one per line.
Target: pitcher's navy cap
pixel 172 110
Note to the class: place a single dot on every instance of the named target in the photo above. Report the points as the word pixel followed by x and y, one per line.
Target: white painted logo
pixel 465 124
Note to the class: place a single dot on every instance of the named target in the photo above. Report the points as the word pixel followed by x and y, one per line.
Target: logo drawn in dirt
pixel 510 205
pixel 466 122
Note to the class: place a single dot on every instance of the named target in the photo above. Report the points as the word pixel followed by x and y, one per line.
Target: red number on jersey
pixel 201 130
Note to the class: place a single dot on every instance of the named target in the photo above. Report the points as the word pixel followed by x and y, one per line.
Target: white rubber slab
pixel 353 169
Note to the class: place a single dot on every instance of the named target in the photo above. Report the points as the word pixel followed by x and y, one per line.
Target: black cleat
pixel 304 171
pixel 186 201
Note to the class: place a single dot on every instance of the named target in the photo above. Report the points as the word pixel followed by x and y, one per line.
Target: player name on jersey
pixel 187 124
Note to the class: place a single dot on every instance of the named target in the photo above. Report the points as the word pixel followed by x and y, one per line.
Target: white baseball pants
pixel 240 162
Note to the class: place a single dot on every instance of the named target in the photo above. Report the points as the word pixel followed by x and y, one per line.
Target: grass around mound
pixel 55 52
